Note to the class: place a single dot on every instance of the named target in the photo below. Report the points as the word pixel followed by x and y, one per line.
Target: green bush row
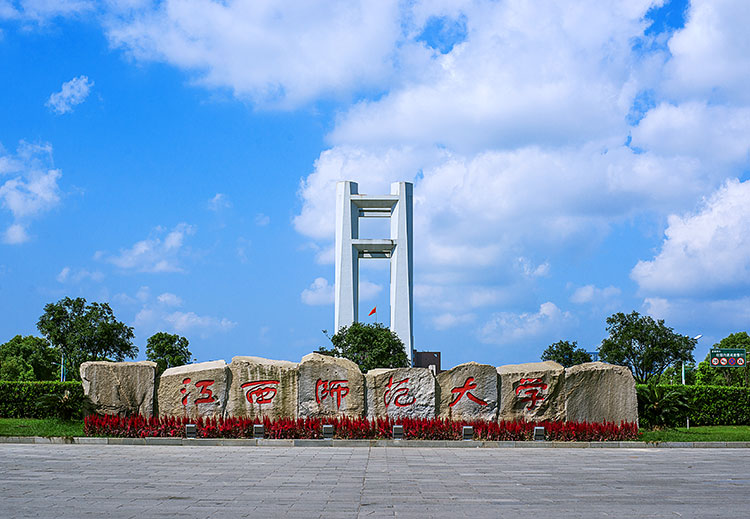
pixel 717 405
pixel 41 399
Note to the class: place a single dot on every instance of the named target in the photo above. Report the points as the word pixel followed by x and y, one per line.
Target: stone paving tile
pixel 51 480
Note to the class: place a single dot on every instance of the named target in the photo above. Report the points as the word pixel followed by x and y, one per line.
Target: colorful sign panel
pixel 728 357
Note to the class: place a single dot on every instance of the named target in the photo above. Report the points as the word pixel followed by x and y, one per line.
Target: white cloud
pixel 185 322
pixel 510 327
pixel 716 134
pixel 318 293
pixel 261 220
pixel 218 202
pixel 368 290
pixel 159 315
pixel 704 252
pixel 73 92
pixel 448 320
pixel 285 53
pixel 43 10
pixel 169 299
pixel 696 316
pixel 32 189
pixel 154 254
pixel 711 55
pixel 592 293
pixel 76 276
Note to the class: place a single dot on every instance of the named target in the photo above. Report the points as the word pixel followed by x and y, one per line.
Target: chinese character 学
pixel 466 390
pixel 262 391
pixel 397 393
pixel 202 385
pixel 326 388
pixel 531 388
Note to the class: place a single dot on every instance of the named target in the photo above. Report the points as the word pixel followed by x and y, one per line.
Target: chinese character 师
pixel 326 388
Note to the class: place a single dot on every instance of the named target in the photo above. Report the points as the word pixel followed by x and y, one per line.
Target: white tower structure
pixel 350 207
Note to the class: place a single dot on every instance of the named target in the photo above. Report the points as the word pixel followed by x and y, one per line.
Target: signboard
pixel 728 357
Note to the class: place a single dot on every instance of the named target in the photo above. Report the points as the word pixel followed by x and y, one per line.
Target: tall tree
pixel 28 358
pixel 644 345
pixel 369 346
pixel 566 353
pixel 168 351
pixel 708 375
pixel 85 332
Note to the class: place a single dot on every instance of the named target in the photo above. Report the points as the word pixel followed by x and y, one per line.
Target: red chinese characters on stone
pixel 202 385
pixel 398 394
pixel 326 388
pixel 262 391
pixel 531 387
pixel 466 390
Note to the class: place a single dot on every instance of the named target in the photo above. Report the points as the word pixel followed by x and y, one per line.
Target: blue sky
pixel 178 160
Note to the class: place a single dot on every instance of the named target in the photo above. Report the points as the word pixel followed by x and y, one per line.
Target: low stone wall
pixel 323 386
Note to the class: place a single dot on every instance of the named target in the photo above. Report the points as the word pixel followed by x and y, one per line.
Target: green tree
pixel 369 346
pixel 566 353
pixel 168 351
pixel 708 375
pixel 85 332
pixel 28 358
pixel 644 345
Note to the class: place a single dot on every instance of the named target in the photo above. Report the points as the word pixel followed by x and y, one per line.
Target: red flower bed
pixel 354 428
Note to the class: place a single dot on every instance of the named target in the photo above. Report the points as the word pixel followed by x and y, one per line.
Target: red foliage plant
pixel 353 428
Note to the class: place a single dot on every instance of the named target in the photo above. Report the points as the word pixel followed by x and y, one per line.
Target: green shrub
pixel 661 406
pixel 714 405
pixel 41 399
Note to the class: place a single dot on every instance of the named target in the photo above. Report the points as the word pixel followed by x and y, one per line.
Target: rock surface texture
pixel 329 386
pixel 119 388
pixel 194 390
pixel 597 392
pixel 400 393
pixel 262 387
pixel 532 392
pixel 468 392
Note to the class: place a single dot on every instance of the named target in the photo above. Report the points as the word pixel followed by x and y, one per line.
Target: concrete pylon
pixel 350 207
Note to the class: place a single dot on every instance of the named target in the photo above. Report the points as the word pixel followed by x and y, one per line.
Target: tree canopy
pixel 168 350
pixel 644 345
pixel 709 375
pixel 85 332
pixel 370 346
pixel 28 358
pixel 566 353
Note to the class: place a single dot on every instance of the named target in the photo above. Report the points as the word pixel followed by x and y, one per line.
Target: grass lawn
pixel 34 427
pixel 717 433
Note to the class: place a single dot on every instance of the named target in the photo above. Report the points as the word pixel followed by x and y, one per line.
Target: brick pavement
pixel 109 481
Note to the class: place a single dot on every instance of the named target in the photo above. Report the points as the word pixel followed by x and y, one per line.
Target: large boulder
pixel 194 390
pixel 468 392
pixel 262 387
pixel 330 386
pixel 400 393
pixel 598 392
pixel 119 388
pixel 532 391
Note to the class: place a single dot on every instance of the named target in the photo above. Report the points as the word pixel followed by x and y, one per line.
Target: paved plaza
pixel 56 481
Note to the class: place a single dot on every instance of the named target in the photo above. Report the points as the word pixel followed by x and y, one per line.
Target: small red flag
pixel 372 311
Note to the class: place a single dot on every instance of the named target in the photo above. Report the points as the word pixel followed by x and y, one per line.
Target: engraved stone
pixel 119 388
pixel 262 388
pixel 330 386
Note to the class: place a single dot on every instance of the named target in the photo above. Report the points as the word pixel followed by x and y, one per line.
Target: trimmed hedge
pixel 717 405
pixel 40 399
pixel 353 428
